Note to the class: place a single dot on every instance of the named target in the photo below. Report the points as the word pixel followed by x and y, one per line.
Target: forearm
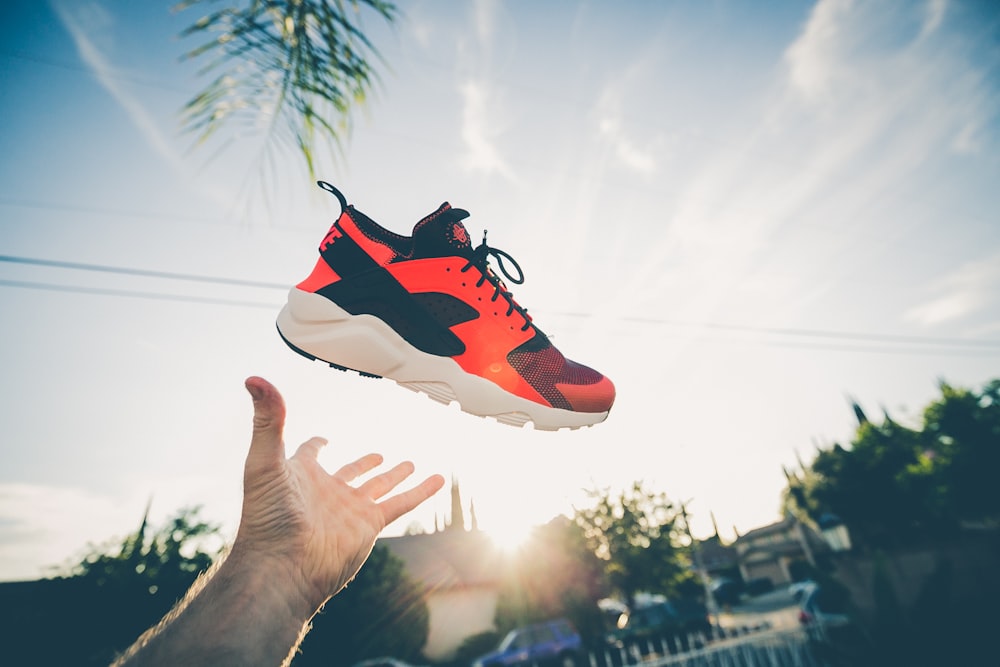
pixel 241 612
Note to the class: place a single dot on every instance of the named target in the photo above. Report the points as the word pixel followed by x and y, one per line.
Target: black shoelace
pixel 481 260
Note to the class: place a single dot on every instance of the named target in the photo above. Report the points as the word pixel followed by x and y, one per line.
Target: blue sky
pixel 743 213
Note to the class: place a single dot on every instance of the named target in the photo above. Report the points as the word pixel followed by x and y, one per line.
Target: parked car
pixel 661 620
pixel 759 586
pixel 819 606
pixel 382 662
pixel 554 642
pixel 726 591
pixel 799 589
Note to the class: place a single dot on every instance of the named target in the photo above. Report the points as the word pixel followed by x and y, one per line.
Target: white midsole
pixel 322 329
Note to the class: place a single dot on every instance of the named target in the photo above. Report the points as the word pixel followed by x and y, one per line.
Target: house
pixel 714 557
pixel 460 569
pixel 768 551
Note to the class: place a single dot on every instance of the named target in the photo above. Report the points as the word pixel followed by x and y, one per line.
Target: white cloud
pixel 618 100
pixel 45 526
pixel 813 58
pixel 933 17
pixel 89 25
pixel 480 130
pixel 963 292
pixel 627 152
pixel 485 16
pixel 880 105
pixel 967 140
pixel 80 20
pixel 484 116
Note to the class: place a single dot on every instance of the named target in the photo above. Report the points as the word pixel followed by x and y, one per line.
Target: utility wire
pixel 814 338
pixel 936 350
pixel 80 208
pixel 140 272
pixel 141 295
pixel 820 333
pixel 83 69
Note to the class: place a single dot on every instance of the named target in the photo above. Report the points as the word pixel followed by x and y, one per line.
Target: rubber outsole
pixel 319 330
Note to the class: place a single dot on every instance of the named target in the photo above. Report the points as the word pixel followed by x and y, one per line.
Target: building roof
pixel 715 555
pixel 448 559
pixel 782 526
pixel 778 538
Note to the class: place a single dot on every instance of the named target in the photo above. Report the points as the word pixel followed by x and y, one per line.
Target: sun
pixel 510 535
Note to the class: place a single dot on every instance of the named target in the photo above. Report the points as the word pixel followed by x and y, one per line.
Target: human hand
pixel 311 528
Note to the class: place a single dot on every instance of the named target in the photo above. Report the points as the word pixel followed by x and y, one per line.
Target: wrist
pixel 271 580
pixel 247 610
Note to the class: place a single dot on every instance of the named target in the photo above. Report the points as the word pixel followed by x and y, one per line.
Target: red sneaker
pixel 429 312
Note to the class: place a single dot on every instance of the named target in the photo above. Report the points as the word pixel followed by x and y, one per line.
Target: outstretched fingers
pixel 382 484
pixel 398 505
pixel 310 448
pixel 355 469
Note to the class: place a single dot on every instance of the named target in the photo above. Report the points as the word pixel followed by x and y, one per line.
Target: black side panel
pixel 344 255
pixel 377 293
pixel 445 308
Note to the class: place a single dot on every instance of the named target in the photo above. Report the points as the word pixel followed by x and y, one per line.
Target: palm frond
pixel 301 65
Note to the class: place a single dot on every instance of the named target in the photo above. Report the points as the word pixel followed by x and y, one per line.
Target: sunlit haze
pixel 745 214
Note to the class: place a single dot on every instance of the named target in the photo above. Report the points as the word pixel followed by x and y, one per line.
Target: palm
pixel 301 63
pixel 296 512
pixel 341 522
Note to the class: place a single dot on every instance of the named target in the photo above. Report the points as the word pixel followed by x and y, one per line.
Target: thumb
pixel 266 444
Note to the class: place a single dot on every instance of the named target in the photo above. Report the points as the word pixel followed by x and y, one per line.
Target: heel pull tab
pixel 335 192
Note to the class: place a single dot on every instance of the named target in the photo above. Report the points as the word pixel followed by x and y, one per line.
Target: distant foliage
pixel 102 603
pixel 635 535
pixel 293 68
pixel 554 574
pixel 168 557
pixel 895 485
pixel 383 612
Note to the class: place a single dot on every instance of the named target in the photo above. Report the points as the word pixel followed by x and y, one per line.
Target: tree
pixel 102 603
pixel 635 537
pixel 553 575
pixel 895 485
pixel 962 434
pixel 381 612
pixel 299 65
pixel 866 486
pixel 168 558
pixel 120 588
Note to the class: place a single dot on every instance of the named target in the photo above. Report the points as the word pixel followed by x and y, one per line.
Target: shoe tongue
pixel 442 234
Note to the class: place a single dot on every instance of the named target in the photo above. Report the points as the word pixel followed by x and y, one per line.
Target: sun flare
pixel 510 535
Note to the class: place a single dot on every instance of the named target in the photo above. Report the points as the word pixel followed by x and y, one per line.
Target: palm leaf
pixel 301 64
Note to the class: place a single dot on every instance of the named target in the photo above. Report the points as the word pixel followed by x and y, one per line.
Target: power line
pixel 821 333
pixel 135 294
pixel 937 350
pixel 140 272
pixel 806 333
pixel 812 338
pixel 81 208
pixel 83 69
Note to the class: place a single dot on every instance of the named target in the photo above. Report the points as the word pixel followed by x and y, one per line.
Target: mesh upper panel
pixel 545 368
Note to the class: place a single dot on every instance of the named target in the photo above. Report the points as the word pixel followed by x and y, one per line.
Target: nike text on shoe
pixel 429 312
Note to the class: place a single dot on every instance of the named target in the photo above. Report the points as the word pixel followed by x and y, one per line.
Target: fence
pixel 758 648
